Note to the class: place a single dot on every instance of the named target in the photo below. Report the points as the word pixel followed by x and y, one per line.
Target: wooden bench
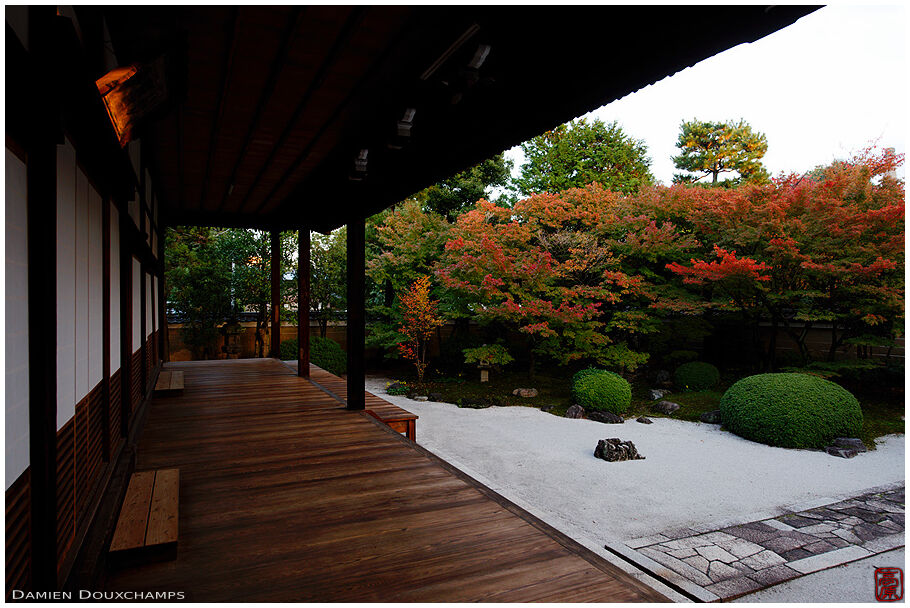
pixel 169 382
pixel 392 416
pixel 147 526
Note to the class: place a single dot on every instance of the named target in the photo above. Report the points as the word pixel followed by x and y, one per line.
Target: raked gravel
pixel 694 474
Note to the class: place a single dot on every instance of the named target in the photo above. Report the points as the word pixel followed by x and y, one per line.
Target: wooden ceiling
pixel 275 104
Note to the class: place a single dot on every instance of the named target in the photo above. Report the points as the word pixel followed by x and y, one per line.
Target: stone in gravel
pixel 751 534
pixel 840 452
pixel 698 562
pixel 712 417
pixel 762 560
pixel 741 548
pixel 605 417
pixel 665 407
pixel 796 521
pixel 644 420
pixel 782 544
pixel 719 571
pixel 715 553
pixel 616 450
pixel 435 396
pixel 821 546
pixel 575 411
pixel 818 528
pixel 774 575
pixel 657 393
pixel 420 398
pixel 525 392
pixel 682 553
pixel 733 587
pixel 850 443
pixel 795 554
pixel 547 408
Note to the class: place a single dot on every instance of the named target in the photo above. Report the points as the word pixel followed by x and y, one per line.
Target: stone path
pixel 744 558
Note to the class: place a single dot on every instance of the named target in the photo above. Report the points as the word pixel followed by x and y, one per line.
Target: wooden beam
pixel 41 179
pixel 303 302
pixel 143 312
pixel 356 329
pixel 277 65
pixel 275 267
pixel 341 43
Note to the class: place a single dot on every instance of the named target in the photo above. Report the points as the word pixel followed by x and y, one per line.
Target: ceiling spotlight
pixel 406 122
pixel 360 163
pixel 480 55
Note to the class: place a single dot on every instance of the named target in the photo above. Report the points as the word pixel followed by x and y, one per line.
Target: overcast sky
pixel 827 86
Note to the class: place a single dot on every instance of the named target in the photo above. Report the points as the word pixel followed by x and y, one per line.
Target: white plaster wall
pixel 66 283
pixel 115 289
pixel 16 332
pixel 137 306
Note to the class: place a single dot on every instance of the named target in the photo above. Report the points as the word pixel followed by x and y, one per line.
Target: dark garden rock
pixel 575 411
pixel 665 407
pixel 657 393
pixel 435 396
pixel 662 376
pixel 525 392
pixel 616 450
pixel 473 403
pixel 644 420
pixel 712 417
pixel 547 408
pixel 396 386
pixel 419 398
pixel 849 443
pixel 605 417
pixel 841 452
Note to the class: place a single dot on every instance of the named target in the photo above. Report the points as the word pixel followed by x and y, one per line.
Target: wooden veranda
pixel 287 496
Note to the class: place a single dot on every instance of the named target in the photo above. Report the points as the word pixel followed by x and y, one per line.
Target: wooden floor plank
pixel 287 496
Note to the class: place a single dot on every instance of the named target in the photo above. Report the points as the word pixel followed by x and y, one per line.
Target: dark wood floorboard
pixel 287 496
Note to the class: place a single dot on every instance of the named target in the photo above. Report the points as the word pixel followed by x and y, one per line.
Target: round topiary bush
pixel 696 376
pixel 602 390
pixel 790 410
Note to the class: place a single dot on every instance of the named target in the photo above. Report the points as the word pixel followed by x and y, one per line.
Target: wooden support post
pixel 275 266
pixel 126 321
pixel 106 329
pixel 41 179
pixel 303 302
pixel 163 341
pixel 356 330
pixel 143 319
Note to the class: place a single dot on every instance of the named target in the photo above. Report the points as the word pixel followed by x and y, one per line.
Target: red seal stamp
pixel 889 584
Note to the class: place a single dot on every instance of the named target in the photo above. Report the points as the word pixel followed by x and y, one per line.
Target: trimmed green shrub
pixel 680 357
pixel 584 373
pixel 601 390
pixel 790 410
pixel 696 376
pixel 324 352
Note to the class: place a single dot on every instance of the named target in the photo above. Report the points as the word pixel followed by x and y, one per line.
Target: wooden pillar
pixel 106 329
pixel 356 329
pixel 41 179
pixel 126 320
pixel 163 342
pixel 303 302
pixel 275 266
pixel 143 319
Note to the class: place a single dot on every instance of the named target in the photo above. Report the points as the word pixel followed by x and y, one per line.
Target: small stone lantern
pixel 231 332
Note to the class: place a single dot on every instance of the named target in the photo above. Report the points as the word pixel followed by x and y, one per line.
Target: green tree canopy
pixel 453 196
pixel 328 279
pixel 712 148
pixel 579 153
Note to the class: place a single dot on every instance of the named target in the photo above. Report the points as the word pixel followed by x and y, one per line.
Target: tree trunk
pixel 323 327
pixel 772 347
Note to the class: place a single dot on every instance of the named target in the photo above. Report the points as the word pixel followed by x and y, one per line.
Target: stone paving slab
pixel 744 558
